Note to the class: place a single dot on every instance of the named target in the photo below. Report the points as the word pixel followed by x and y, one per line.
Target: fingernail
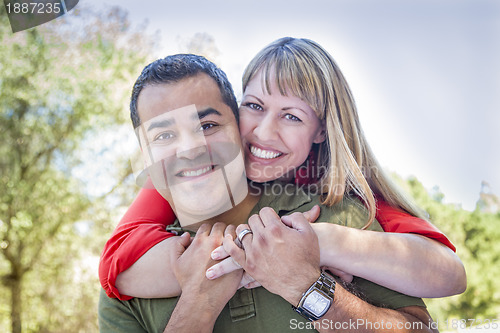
pixel 210 274
pixel 215 255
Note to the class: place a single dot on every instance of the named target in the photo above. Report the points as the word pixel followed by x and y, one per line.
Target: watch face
pixel 316 303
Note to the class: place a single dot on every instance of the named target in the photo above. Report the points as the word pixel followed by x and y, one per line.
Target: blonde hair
pixel 310 73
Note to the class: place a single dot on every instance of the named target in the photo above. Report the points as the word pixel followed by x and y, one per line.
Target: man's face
pixel 191 144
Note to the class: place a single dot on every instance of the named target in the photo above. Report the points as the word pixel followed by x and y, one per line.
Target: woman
pixel 297 111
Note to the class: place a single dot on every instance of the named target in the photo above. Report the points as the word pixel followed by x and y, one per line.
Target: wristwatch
pixel 316 301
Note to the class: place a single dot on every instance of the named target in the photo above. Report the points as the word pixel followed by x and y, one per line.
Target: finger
pixel 181 243
pixel 230 230
pixel 219 253
pixel 242 227
pixel 341 274
pixel 226 266
pixel 255 223
pixel 237 253
pixel 296 221
pixel 312 214
pixel 252 285
pixel 184 240
pixel 246 237
pixel 245 280
pixel 269 217
pixel 218 229
pixel 204 229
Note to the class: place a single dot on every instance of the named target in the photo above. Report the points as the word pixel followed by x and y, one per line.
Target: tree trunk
pixel 16 310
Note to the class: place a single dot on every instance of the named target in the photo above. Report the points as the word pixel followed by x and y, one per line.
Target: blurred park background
pixel 65 176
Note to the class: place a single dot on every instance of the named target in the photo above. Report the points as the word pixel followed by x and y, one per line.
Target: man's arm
pixel 352 314
pixel 115 316
pixel 201 300
pixel 275 252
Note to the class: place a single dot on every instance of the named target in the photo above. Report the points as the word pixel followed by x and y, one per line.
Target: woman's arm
pixel 407 263
pixel 141 229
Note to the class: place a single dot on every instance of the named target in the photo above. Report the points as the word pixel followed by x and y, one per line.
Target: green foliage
pixel 476 236
pixel 62 83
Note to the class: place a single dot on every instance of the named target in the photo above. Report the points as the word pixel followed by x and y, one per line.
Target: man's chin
pixel 193 203
pixel 197 213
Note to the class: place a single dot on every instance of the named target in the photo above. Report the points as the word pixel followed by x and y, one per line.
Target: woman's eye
pixel 164 136
pixel 292 117
pixel 254 106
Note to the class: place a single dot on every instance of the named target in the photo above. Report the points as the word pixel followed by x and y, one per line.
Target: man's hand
pixel 281 254
pixel 190 267
pixel 201 298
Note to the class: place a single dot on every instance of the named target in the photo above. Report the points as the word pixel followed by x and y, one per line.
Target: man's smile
pixel 196 172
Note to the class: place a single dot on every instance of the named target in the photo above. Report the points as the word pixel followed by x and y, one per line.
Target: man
pixel 283 258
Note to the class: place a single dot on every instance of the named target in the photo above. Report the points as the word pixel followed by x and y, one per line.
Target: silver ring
pixel 242 234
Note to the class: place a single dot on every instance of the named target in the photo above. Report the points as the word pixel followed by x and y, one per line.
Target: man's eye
pixel 164 136
pixel 254 106
pixel 207 128
pixel 292 117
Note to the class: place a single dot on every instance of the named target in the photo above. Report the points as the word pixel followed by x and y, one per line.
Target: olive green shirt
pixel 255 310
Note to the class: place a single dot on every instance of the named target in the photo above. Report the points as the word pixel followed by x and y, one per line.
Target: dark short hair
pixel 174 68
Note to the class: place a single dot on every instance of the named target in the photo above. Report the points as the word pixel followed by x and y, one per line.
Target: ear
pixel 321 135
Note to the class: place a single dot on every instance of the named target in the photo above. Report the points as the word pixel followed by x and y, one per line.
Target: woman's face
pixel 277 131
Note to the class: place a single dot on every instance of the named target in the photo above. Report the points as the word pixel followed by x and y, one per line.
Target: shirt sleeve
pixel 141 228
pixel 117 316
pixel 394 220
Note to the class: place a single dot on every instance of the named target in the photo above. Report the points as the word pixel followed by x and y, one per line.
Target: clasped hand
pixel 276 250
pixel 190 261
pixel 227 263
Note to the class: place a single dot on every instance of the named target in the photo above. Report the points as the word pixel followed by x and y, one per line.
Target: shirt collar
pixel 283 197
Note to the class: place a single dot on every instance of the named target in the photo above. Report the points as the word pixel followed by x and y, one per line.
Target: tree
pixel 476 236
pixel 201 44
pixel 62 83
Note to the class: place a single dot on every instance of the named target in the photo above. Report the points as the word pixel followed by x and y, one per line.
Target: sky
pixel 425 73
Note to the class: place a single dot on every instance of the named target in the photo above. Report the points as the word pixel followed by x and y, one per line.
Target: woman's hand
pixel 282 256
pixel 228 265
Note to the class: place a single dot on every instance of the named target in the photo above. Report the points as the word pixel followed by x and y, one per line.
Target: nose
pixel 266 129
pixel 191 146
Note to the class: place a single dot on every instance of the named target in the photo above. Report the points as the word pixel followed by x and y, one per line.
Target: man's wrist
pixel 295 292
pixel 198 307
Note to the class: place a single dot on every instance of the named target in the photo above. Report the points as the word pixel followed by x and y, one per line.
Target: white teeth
pixel 195 173
pixel 265 154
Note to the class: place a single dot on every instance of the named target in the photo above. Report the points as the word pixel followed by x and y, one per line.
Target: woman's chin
pixel 260 178
pixel 259 173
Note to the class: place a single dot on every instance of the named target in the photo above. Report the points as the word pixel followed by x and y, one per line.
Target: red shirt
pixel 143 226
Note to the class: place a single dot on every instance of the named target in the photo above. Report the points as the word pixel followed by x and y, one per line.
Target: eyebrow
pixel 162 123
pixel 286 108
pixel 296 108
pixel 200 115
pixel 207 112
pixel 258 99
